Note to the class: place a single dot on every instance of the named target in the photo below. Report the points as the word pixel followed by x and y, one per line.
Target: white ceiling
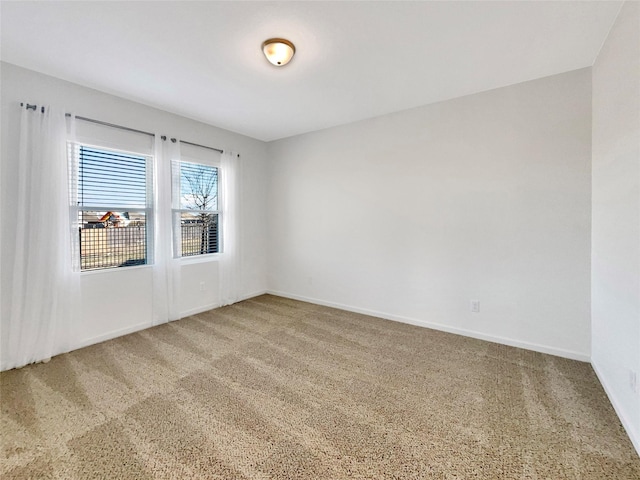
pixel 354 60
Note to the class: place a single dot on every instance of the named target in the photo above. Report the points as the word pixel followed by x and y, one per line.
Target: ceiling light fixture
pixel 278 51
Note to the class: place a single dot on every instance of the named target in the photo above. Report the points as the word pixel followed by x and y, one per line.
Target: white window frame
pixel 177 212
pixel 149 210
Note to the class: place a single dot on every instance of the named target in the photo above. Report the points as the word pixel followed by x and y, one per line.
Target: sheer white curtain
pixel 229 266
pixel 45 289
pixel 166 269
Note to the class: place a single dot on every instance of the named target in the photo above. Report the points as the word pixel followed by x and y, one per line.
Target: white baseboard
pixel 252 295
pixel 113 334
pixel 142 326
pixel 439 326
pixel 206 308
pixel 633 436
pixel 196 310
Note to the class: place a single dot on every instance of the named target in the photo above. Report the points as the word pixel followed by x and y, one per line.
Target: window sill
pixel 207 258
pixel 114 269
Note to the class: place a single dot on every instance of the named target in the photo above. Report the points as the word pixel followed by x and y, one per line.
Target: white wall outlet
pixel 202 286
pixel 475 306
pixel 633 381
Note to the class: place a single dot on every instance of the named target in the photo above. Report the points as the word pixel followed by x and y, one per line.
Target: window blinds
pixel 108 178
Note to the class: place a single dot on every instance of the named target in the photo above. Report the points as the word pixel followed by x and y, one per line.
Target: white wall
pixel 615 256
pixel 411 215
pixel 132 287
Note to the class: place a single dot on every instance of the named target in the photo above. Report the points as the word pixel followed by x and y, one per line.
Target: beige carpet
pixel 274 388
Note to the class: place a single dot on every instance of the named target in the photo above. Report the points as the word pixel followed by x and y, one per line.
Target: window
pixel 198 215
pixel 113 200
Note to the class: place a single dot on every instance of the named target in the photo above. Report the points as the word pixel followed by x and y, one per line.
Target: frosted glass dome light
pixel 278 51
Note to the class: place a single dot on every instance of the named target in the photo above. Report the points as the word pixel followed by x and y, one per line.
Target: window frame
pixel 176 212
pixel 74 149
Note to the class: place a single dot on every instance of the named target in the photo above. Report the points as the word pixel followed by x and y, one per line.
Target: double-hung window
pixel 112 193
pixel 196 213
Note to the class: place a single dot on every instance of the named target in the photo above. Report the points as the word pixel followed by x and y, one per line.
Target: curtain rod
pixel 203 146
pixel 91 120
pixel 107 124
pixel 174 140
pixel 164 137
pixel 32 107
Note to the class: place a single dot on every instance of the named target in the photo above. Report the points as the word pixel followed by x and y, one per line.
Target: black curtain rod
pixel 91 120
pixel 32 107
pixel 203 146
pixel 107 124
pixel 174 140
pixel 142 131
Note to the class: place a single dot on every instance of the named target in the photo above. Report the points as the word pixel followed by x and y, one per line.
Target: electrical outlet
pixel 475 306
pixel 202 286
pixel 633 381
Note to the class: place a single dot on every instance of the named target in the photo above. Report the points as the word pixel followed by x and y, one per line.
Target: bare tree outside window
pixel 199 196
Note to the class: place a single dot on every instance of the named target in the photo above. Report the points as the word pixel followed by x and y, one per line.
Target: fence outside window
pixel 199 238
pixel 113 247
pixel 106 247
